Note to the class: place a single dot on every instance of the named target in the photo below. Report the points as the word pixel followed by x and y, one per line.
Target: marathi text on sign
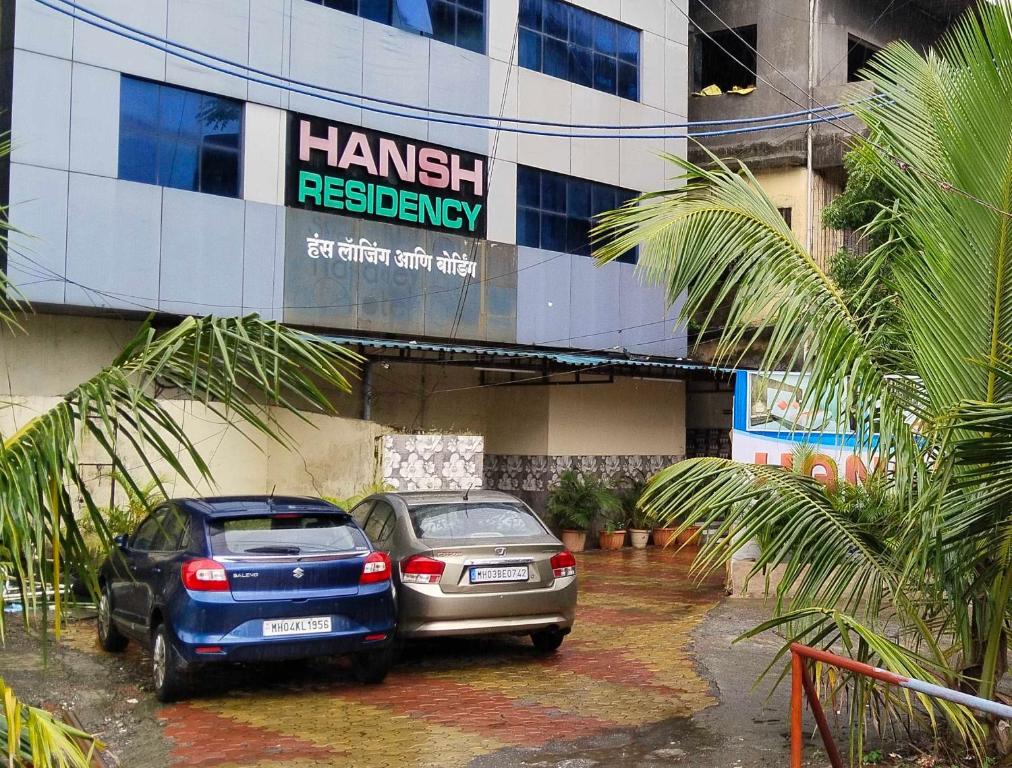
pixel 366 251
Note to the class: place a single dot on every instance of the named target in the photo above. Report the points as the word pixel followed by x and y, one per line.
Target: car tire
pixel 547 640
pixel 109 637
pixel 168 670
pixel 371 667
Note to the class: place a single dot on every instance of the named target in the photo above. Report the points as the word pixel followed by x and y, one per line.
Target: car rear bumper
pixel 426 611
pixel 213 627
pixel 281 649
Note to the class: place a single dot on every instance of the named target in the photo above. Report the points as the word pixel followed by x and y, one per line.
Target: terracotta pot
pixel 611 539
pixel 662 536
pixel 690 535
pixel 639 538
pixel 575 541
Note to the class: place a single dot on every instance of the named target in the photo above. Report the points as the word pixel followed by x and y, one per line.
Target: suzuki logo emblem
pixel 298 573
pixel 501 551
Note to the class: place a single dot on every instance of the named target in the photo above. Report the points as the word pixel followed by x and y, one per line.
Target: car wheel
pixel 371 668
pixel 109 637
pixel 547 640
pixel 168 670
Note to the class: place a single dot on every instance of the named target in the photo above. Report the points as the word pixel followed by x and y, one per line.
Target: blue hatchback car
pixel 247 578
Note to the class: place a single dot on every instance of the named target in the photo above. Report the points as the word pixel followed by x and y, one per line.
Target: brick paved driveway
pixel 626 664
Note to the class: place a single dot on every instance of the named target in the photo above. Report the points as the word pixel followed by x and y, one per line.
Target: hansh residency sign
pixel 353 171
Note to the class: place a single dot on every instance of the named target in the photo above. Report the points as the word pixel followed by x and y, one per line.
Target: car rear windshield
pixel 474 521
pixel 288 534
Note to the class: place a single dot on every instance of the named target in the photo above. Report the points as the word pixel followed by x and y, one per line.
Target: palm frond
pixel 719 237
pixel 827 557
pixel 238 368
pixel 34 737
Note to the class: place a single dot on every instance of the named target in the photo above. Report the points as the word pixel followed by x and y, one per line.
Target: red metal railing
pixel 802 682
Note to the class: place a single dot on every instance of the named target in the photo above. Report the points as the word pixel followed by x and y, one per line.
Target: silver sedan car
pixel 473 564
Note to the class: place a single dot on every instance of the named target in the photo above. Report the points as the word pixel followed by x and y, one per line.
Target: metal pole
pixel 797 671
pixel 832 752
pixel 367 390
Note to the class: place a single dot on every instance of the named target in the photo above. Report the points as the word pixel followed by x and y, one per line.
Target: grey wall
pixel 93 241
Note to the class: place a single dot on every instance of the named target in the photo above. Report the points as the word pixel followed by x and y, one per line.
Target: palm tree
pixel 923 586
pixel 239 368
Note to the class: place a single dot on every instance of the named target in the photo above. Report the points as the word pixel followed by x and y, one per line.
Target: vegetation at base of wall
pixel 629 489
pixel 578 499
pixel 122 518
pixel 913 572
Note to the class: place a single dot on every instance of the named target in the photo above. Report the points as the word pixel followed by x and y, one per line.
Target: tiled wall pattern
pixel 433 462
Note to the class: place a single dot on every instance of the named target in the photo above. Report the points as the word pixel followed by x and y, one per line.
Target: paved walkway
pixel 626 665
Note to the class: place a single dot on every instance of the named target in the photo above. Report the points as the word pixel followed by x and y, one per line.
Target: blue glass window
pixel 557 212
pixel 585 48
pixel 457 22
pixel 175 137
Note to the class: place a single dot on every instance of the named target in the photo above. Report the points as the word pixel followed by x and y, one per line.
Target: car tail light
pixel 204 575
pixel 564 564
pixel 376 568
pixel 421 570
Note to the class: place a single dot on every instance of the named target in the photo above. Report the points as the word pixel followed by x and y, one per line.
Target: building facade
pixel 770 46
pixel 338 165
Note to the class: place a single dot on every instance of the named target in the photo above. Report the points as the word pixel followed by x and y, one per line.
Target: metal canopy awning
pixel 532 357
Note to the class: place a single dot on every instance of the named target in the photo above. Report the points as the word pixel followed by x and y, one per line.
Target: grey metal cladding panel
pixel 396 67
pixel 326 50
pixel 595 309
pixel 269 31
pixel 391 299
pixel 202 252
pixel 641 312
pixel 678 344
pixel 443 293
pixel 43 30
pixel 40 129
pixel 543 296
pixel 94 121
pixel 458 80
pixel 37 247
pixel 221 26
pixel 319 292
pixel 113 242
pixel 500 292
pixel 105 49
pixel 264 239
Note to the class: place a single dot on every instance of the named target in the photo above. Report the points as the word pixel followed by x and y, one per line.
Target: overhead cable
pixel 165 45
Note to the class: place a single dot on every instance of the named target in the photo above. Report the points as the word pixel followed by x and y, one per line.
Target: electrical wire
pixel 163 42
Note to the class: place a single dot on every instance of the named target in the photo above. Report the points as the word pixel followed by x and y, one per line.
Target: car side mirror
pixel 121 541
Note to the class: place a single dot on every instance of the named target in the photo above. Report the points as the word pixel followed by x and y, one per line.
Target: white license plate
pixel 481 575
pixel 310 625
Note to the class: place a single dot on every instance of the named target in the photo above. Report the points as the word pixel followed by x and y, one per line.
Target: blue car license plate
pixel 498 573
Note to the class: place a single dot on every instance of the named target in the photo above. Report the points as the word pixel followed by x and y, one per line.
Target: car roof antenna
pixel 468 491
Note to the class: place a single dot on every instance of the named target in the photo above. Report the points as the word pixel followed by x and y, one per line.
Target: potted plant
pixel 613 530
pixel 665 535
pixel 574 503
pixel 689 536
pixel 629 491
